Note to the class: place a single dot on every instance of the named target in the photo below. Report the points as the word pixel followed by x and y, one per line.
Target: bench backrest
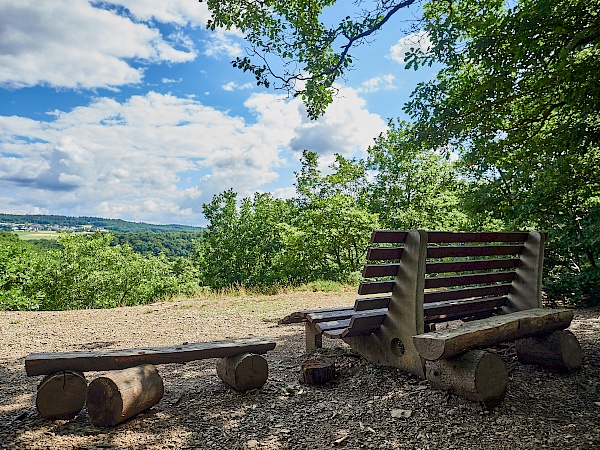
pixel 463 275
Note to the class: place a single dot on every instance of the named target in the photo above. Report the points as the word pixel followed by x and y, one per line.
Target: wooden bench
pixel 62 393
pixel 491 282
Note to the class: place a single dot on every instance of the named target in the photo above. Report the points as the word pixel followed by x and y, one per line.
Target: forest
pixel 506 137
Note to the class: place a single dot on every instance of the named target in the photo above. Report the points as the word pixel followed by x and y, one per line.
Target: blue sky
pixel 131 109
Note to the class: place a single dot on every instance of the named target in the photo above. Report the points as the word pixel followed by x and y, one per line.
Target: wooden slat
pixel 457 294
pixel 365 322
pixel 332 325
pixel 480 264
pixel 365 304
pixel 300 316
pixel 47 363
pixel 325 316
pixel 444 311
pixel 473 250
pixel 494 330
pixel 465 280
pixel 459 236
pixel 380 270
pixel 384 253
pixel 336 333
pixel 388 237
pixel 376 287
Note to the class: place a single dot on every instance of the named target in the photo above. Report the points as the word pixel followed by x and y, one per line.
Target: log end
pixel 61 395
pixel 243 372
pixel 316 372
pixel 559 350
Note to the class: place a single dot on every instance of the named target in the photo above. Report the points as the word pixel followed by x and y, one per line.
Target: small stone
pixel 252 444
pixel 401 413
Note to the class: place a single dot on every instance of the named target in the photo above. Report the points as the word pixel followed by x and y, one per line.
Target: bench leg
pixel 314 339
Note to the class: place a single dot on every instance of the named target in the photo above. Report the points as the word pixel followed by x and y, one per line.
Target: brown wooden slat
pixel 465 280
pixel 332 325
pixel 376 287
pixel 457 294
pixel 336 333
pixel 481 264
pixel 388 237
pixel 325 316
pixel 444 311
pixel 473 250
pixel 47 363
pixel 384 253
pixel 365 304
pixel 365 322
pixel 380 270
pixel 300 316
pixel 457 237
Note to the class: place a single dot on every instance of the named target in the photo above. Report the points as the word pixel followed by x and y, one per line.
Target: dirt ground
pixel 365 407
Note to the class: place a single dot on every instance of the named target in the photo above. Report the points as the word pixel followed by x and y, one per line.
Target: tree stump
pixel 559 350
pixel 315 372
pixel 243 372
pixel 61 395
pixel 119 395
pixel 476 375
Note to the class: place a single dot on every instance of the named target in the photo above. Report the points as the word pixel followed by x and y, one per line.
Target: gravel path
pixel 365 407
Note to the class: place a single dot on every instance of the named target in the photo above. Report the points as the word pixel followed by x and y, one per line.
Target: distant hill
pixel 116 225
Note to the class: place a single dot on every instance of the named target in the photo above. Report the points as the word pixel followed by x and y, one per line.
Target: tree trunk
pixel 243 372
pixel 119 395
pixel 558 351
pixel 315 372
pixel 477 375
pixel 61 395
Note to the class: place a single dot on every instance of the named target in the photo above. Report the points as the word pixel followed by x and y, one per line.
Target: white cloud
pixel 220 43
pixel 233 86
pixel 418 40
pixel 180 12
pixel 385 82
pixel 72 44
pixel 157 157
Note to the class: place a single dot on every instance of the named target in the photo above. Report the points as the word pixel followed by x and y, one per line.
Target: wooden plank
pixel 364 304
pixel 376 287
pixel 468 279
pixel 450 237
pixel 485 332
pixel 445 311
pixel 450 251
pixel 300 316
pixel 472 265
pixel 365 322
pixel 47 363
pixel 457 294
pixel 388 237
pixel 380 270
pixel 336 333
pixel 384 253
pixel 324 316
pixel 332 325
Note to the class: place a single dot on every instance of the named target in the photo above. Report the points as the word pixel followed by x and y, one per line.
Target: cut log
pixel 494 330
pixel 119 395
pixel 559 350
pixel 243 372
pixel 477 375
pixel 60 396
pixel 316 372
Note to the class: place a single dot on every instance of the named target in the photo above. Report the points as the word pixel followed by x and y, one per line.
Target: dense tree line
pixel 170 244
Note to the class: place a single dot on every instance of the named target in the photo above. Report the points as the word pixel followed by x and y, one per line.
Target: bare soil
pixel 364 407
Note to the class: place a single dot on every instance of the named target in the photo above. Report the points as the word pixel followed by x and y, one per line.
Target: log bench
pixel 478 288
pixel 62 393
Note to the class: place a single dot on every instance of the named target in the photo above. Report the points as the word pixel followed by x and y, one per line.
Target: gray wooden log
pixel 476 375
pixel 61 395
pixel 243 372
pixel 559 350
pixel 119 395
pixel 315 372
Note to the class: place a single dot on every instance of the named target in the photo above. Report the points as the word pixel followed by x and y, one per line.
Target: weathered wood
pixel 472 292
pixel 384 253
pixel 448 251
pixel 446 311
pixel 325 316
pixel 469 265
pixel 119 395
pixel 477 375
pixel 46 363
pixel 365 304
pixel 380 270
pixel 313 337
pixel 451 237
pixel 243 372
pixel 388 236
pixel 61 395
pixel 332 325
pixel 300 316
pixel 559 350
pixel 316 372
pixel 485 332
pixel 465 280
pixel 375 287
pixel 365 322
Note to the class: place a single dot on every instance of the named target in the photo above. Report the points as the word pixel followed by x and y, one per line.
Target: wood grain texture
pixel 60 396
pixel 243 372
